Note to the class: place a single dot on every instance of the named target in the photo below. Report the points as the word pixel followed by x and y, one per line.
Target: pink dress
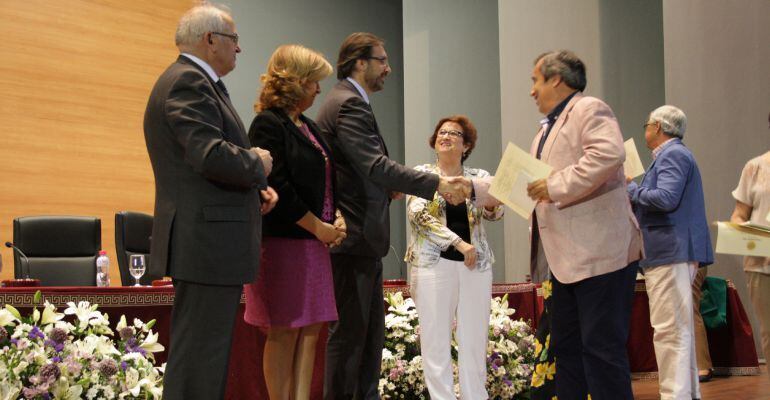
pixel 294 286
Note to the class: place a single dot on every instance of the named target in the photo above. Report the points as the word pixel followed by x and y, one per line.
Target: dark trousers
pixel 202 324
pixel 354 349
pixel 590 321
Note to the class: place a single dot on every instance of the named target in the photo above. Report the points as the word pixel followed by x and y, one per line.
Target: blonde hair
pixel 290 67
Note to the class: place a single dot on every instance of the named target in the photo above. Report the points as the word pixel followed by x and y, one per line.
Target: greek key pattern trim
pixel 102 299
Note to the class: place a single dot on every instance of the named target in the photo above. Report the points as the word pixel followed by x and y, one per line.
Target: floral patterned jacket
pixel 430 235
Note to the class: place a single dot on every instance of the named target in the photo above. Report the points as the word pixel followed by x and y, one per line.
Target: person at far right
pixel 669 205
pixel 752 204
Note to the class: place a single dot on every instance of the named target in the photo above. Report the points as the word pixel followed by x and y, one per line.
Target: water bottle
pixel 102 269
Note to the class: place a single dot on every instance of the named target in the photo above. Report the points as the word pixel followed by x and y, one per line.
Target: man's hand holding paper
pixel 516 173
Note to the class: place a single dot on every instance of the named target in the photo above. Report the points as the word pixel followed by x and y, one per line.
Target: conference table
pixel 732 347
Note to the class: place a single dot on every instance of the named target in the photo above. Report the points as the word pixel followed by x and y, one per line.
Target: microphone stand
pixel 25 265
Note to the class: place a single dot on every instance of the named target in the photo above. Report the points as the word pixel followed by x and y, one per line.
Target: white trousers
pixel 443 292
pixel 669 288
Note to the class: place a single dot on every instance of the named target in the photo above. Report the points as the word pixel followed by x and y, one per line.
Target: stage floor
pixel 755 387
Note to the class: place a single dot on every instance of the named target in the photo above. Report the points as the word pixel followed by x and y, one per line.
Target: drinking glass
pixel 136 267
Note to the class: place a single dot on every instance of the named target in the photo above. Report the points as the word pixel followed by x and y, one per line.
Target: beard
pixel 375 83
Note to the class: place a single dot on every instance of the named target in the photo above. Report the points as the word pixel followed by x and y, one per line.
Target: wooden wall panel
pixel 74 81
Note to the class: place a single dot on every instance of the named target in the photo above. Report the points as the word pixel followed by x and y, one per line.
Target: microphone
pixel 25 271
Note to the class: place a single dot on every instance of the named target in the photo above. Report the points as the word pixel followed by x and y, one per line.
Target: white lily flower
pixel 21 367
pixel 6 317
pixel 84 311
pixel 10 390
pixel 138 388
pixel 96 345
pixel 63 391
pixel 121 323
pixel 50 315
pixel 13 311
pixel 150 343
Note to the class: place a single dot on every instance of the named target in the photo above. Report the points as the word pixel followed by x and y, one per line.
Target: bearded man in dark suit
pixel 208 183
pixel 367 180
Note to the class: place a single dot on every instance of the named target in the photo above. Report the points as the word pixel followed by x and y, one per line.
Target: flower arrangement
pixel 510 353
pixel 44 357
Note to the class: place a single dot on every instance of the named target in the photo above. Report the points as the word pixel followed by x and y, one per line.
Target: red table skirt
pixel 732 348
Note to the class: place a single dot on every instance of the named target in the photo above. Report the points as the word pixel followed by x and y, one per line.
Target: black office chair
pixel 132 236
pixel 61 250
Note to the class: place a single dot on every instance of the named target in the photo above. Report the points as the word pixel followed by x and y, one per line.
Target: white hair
pixel 672 120
pixel 199 20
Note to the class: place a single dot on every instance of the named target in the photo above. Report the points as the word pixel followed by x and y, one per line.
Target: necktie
pixel 547 123
pixel 221 86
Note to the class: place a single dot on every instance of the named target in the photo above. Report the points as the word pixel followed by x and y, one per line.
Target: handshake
pixel 455 189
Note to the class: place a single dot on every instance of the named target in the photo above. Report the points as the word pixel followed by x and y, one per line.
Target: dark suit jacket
pixel 207 223
pixel 365 174
pixel 671 211
pixel 298 175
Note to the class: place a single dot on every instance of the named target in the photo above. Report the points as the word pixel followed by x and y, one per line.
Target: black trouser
pixel 202 324
pixel 354 349
pixel 590 322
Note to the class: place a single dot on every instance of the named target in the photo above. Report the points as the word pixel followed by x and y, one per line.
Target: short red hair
pixel 469 132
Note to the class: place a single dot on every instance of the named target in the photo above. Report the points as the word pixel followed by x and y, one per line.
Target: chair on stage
pixel 132 236
pixel 60 250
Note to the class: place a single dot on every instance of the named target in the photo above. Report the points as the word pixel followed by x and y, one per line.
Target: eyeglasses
pixel 456 134
pixel 383 59
pixel 233 36
pixel 648 124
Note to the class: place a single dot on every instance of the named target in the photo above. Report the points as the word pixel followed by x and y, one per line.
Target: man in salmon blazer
pixel 588 231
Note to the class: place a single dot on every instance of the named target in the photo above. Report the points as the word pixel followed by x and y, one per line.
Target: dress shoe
pixel 707 377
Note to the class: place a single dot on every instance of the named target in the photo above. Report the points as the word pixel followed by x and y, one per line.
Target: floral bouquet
pixel 510 353
pixel 44 357
pixel 401 376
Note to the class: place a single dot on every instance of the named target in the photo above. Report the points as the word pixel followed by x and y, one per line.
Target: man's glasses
pixel 233 36
pixel 456 134
pixel 383 59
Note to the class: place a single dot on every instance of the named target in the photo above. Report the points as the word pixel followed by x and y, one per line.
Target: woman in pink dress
pixel 293 294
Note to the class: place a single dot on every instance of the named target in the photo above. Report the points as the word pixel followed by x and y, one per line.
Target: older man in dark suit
pixel 367 180
pixel 207 227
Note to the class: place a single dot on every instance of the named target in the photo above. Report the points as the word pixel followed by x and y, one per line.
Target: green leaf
pixel 38 296
pixel 150 324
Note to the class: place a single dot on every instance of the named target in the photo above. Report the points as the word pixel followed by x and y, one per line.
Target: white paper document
pixel 633 165
pixel 517 168
pixel 742 240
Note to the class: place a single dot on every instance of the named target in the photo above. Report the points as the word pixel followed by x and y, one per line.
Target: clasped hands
pixel 455 189
pixel 332 234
